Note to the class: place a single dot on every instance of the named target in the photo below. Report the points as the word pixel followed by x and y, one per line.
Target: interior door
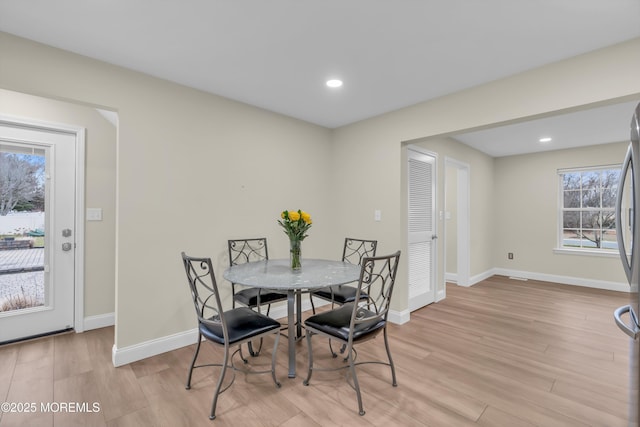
pixel 421 228
pixel 53 310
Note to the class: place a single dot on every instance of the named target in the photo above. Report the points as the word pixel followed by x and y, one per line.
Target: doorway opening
pixel 457 223
pixel 41 222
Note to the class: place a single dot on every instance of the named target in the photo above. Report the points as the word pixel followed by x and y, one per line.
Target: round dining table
pixel 276 274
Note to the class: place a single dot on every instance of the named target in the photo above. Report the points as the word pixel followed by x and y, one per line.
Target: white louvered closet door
pixel 421 226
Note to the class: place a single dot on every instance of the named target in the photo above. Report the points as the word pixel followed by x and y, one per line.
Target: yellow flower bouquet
pixel 295 225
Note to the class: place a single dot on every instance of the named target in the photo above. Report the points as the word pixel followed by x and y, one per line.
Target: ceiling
pixel 278 54
pixel 594 126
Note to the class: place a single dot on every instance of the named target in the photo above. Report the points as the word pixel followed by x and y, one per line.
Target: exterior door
pixel 421 228
pixel 43 301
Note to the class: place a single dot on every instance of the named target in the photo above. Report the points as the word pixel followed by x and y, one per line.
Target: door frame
pixel 463 221
pixel 79 228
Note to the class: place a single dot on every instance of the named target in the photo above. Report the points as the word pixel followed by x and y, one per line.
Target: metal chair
pixel 224 328
pixel 359 321
pixel 250 250
pixel 354 251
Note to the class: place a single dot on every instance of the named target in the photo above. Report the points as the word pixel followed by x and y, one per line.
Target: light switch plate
pixel 94 214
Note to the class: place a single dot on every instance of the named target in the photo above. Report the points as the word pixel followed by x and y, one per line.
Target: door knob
pixel 67 246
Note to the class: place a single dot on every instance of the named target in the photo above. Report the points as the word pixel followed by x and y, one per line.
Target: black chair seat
pixel 224 328
pixel 249 297
pixel 242 323
pixel 342 294
pixel 336 323
pixel 358 321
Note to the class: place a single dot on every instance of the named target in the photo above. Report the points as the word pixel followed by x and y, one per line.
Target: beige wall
pixel 604 76
pixel 100 188
pixel 526 213
pixel 194 169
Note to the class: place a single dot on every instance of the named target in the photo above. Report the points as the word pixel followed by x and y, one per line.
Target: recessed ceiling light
pixel 545 140
pixel 334 83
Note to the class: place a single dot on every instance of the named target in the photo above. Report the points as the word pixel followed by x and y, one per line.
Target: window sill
pixel 586 252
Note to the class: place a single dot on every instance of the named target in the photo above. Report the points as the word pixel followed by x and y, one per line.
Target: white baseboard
pixel 565 280
pixel 482 276
pixel 279 311
pixel 125 355
pixel 99 321
pixel 399 317
pixel 451 277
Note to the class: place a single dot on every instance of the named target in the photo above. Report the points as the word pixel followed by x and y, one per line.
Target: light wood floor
pixel 501 353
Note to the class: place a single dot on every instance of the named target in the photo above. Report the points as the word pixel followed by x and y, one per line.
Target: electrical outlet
pixel 510 255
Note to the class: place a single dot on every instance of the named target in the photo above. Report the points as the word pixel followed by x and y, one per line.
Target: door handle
pixel 617 315
pixel 626 166
pixel 67 246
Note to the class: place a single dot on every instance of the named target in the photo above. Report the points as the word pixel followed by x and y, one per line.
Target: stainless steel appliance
pixel 626 317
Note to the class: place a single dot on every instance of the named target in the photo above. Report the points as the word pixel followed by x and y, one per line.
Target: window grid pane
pixel 588 214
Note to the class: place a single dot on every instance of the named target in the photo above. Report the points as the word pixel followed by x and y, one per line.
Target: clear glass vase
pixel 295 255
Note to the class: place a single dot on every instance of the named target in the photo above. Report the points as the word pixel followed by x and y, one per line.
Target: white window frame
pixel 561 209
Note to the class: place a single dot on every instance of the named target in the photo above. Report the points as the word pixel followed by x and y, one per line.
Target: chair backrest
pixel 204 292
pixel 377 279
pixel 247 250
pixel 355 250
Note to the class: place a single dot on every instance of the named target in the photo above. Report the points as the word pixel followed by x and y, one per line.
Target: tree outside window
pixel 588 208
pixel 21 182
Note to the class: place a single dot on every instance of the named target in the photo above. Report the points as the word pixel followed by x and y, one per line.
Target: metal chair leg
pixel 356 385
pixel 244 360
pixel 306 381
pixel 219 385
pixel 253 352
pixel 313 307
pixel 273 361
pixel 333 353
pixel 393 369
pixel 193 362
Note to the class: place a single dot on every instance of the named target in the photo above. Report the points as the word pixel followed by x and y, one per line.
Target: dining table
pixel 277 274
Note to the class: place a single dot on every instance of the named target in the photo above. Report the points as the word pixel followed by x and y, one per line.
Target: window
pixel 587 211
